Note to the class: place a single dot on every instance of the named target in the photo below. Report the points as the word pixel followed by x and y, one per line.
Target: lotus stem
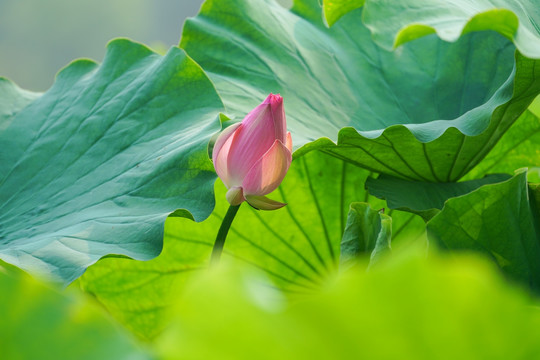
pixel 222 234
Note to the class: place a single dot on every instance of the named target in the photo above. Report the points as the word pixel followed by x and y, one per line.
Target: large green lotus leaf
pixel 410 308
pixel 498 220
pixel 41 323
pixel 424 199
pixel 297 245
pixel 429 111
pixel 396 22
pixel 95 165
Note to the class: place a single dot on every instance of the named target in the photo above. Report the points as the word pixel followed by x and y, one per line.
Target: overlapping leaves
pixel 297 246
pixel 98 162
pixel 394 22
pixel 424 199
pixel 429 111
pixel 497 216
pixel 500 221
pixel 518 148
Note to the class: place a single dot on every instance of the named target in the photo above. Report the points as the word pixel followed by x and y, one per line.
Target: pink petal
pixel 251 142
pixel 268 172
pixel 278 115
pixel 288 142
pixel 263 203
pixel 221 152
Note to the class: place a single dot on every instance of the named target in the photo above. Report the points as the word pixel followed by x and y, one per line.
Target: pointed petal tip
pixel 263 203
pixel 273 99
pixel 288 141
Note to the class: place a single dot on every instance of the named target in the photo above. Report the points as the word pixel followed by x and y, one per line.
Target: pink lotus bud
pixel 252 157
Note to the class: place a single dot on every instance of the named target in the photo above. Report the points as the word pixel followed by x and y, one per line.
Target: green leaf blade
pixel 98 162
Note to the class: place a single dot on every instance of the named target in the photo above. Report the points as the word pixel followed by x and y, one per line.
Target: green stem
pixel 222 234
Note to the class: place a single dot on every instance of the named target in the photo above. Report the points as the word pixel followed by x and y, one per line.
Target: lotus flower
pixel 252 157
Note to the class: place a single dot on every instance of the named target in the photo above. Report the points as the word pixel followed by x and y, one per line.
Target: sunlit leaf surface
pixel 298 246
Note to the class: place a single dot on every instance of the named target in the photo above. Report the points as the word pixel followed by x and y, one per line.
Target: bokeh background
pixel 39 37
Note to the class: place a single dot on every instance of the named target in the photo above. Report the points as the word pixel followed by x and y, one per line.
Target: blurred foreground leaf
pixel 406 308
pixel 40 323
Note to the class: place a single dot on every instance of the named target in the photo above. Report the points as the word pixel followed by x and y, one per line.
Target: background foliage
pixel 41 37
pixel 405 143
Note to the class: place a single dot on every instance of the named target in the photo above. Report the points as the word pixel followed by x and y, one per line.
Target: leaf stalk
pixel 222 234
